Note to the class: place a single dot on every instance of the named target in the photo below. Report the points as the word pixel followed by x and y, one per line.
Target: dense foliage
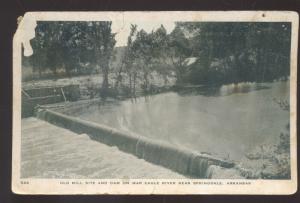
pixel 211 53
pixel 238 52
pixel 74 47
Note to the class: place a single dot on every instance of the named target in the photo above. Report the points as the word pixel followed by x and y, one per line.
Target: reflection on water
pixel 224 90
pixel 229 122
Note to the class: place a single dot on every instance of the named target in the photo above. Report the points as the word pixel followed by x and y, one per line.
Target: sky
pixel 122 28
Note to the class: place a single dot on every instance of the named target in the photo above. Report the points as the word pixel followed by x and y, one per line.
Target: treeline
pixel 209 53
pixel 238 52
pixel 74 47
pixel 195 53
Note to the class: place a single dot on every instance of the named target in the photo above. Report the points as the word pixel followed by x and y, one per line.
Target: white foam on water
pixel 52 152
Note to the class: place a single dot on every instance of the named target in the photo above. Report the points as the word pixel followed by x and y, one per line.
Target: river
pixel 228 121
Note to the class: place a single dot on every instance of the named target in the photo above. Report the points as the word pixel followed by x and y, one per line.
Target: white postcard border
pixel 86 186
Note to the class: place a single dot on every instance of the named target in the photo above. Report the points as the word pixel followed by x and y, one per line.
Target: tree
pixel 69 45
pixel 161 60
pixel 178 50
pixel 99 38
pixel 143 46
pixel 128 60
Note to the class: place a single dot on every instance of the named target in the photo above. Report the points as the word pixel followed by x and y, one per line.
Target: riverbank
pixel 90 86
pixel 268 161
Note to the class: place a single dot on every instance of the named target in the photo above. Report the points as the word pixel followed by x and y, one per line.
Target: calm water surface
pixel 227 121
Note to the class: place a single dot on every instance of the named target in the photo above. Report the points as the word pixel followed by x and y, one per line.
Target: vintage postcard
pixel 155 103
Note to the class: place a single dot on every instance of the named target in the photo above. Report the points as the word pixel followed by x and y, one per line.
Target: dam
pixel 190 134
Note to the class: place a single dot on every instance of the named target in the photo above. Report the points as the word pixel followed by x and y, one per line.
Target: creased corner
pixel 26 32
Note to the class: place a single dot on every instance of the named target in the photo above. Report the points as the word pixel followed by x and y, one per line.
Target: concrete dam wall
pixel 163 154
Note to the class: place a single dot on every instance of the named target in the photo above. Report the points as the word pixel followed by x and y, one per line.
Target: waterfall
pixel 159 153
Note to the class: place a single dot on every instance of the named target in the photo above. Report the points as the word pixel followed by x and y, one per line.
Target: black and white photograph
pixel 149 98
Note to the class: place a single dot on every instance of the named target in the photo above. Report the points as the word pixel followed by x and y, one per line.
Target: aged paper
pixel 155 103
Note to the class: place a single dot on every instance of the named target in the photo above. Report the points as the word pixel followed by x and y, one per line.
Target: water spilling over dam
pixel 52 152
pixel 179 160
